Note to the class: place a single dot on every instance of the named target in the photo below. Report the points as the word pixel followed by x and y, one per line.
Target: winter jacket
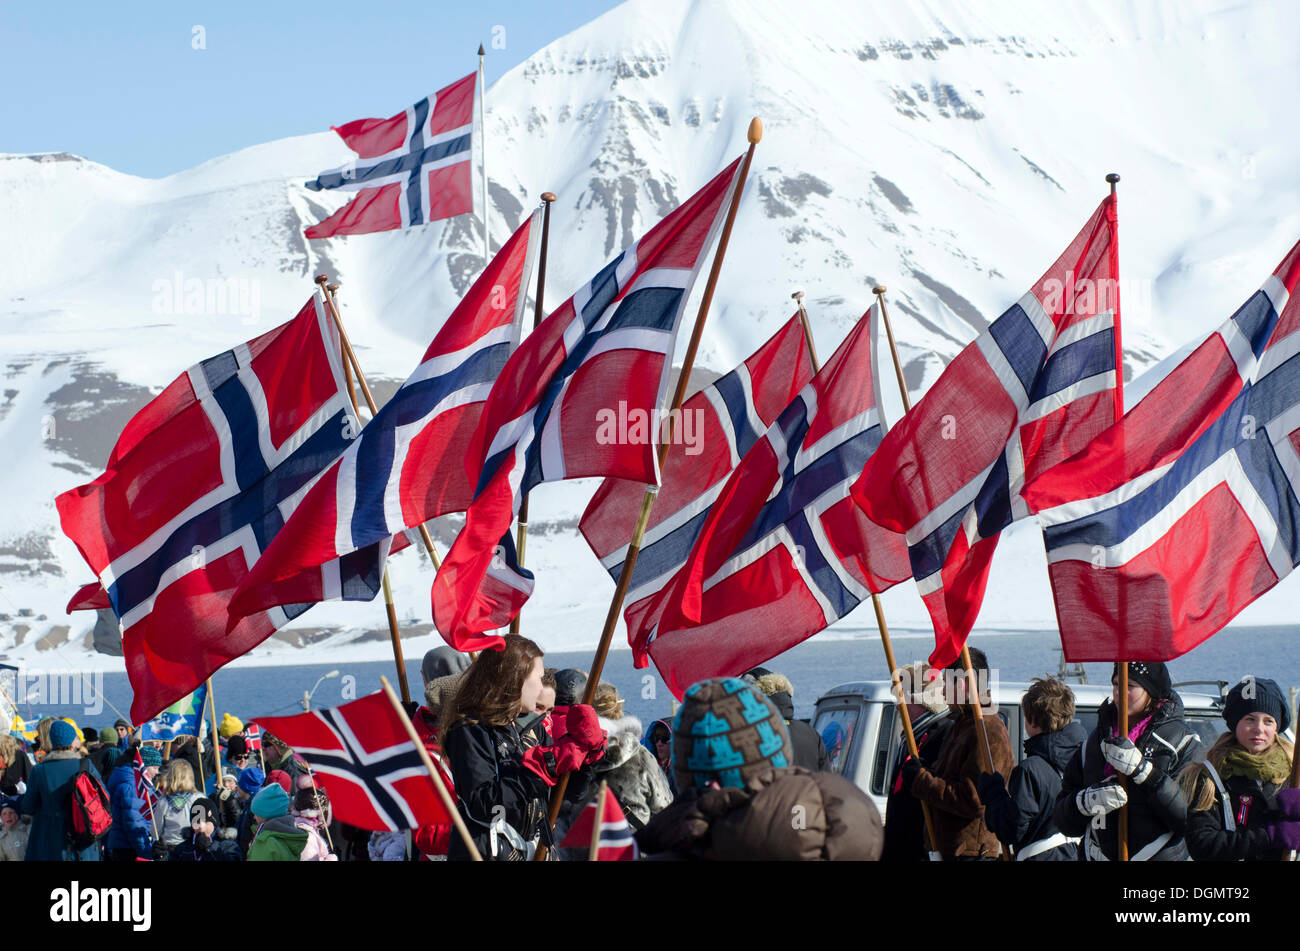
pixel 1020 811
pixel 632 772
pixel 130 829
pixel 905 835
pixel 205 849
pixel 786 814
pixel 19 771
pixel 291 763
pixel 949 786
pixel 1250 805
pixel 433 838
pixel 387 847
pixel 1156 808
pixel 47 801
pixel 278 840
pixel 13 842
pixel 230 810
pixel 487 767
pixel 666 770
pixel 172 815
pixel 809 750
pixel 105 759
pixel 316 848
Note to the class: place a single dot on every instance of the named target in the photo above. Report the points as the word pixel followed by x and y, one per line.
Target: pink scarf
pixel 1133 735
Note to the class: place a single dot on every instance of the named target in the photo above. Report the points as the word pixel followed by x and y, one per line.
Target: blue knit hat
pixel 150 756
pixel 272 802
pixel 62 734
pixel 251 779
pixel 727 731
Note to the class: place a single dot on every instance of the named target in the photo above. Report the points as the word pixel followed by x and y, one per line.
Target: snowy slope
pixel 947 150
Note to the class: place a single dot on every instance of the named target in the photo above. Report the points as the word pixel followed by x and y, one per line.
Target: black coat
pixel 1208 838
pixel 809 750
pixel 487 770
pixel 1155 806
pixel 1020 813
pixel 904 821
pixel 20 770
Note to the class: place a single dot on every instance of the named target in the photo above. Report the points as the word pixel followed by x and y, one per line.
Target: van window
pixel 836 727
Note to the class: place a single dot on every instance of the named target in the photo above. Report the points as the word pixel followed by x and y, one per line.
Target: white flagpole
pixel 482 112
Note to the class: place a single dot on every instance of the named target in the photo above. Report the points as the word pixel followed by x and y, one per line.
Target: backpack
pixel 89 805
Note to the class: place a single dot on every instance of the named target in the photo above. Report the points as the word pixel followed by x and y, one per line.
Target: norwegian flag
pixel 1030 391
pixel 784 551
pixel 605 352
pixel 616 842
pixel 408 464
pixel 253 737
pixel 410 169
pixel 198 484
pixel 1189 505
pixel 144 789
pixel 363 756
pixel 717 426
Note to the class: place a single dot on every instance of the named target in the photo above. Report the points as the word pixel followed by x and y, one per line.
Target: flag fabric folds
pixel 182 718
pixel 717 426
pixel 144 790
pixel 363 756
pixel 408 463
pixel 616 842
pixel 1031 390
pixel 200 481
pixel 784 551
pixel 580 397
pixel 1187 510
pixel 412 168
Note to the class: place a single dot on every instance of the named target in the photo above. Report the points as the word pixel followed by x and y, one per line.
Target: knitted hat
pixel 229 727
pixel 108 735
pixel 123 724
pixel 11 802
pixel 238 746
pixel 281 779
pixel 251 780
pixel 75 729
pixel 271 803
pixel 151 756
pixel 440 690
pixel 1151 676
pixel 1256 696
pixel 205 807
pixel 569 685
pixel 62 734
pixel 726 730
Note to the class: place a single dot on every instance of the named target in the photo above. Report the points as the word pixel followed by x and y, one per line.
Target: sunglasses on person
pixel 662 738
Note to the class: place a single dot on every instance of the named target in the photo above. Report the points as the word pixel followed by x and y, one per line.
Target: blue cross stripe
pixel 669 552
pixel 645 307
pixel 378 440
pixel 789 507
pixel 370 775
pixel 255 506
pixel 1074 363
pixel 1262 401
pixel 1018 339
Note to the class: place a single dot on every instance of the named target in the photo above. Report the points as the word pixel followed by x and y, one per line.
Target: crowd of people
pixel 732 775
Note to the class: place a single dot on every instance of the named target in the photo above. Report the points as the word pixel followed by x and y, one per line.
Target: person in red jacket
pixel 434 839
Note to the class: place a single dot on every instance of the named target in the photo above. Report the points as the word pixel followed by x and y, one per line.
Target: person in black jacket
pixel 905 833
pixel 1159 744
pixel 1020 812
pixel 502 789
pixel 1238 806
pixel 809 750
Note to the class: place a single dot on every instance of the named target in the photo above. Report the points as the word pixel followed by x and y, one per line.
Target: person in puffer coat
pixel 1020 812
pixel 741 800
pixel 130 836
pixel 1239 808
pixel 1159 745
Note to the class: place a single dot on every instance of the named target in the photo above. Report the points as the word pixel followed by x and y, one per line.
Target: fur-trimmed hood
pixel 623 736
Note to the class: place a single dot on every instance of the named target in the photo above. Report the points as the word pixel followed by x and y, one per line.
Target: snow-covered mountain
pixel 946 149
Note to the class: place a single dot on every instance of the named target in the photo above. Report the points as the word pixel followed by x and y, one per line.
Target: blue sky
pixel 125 84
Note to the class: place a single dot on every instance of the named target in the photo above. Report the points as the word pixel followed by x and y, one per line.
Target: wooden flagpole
pixel 482 112
pixel 594 851
pixel 433 772
pixel 216 739
pixel 755 134
pixel 972 683
pixel 350 356
pixel 324 822
pixel 538 313
pixel 894 676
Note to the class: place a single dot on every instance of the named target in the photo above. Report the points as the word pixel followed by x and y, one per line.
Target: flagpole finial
pixel 322 280
pixel 548 197
pixel 1113 177
pixel 797 295
pixel 878 289
pixel 481 51
pixel 755 134
pixel 331 288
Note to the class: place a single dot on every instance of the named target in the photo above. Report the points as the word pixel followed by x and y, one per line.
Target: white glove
pixel 21 787
pixel 1100 799
pixel 1126 758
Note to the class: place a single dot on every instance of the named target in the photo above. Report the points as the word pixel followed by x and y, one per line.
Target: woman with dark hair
pixel 1158 745
pixel 502 788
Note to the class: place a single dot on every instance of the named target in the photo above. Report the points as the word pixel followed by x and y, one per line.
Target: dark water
pixel 813 667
